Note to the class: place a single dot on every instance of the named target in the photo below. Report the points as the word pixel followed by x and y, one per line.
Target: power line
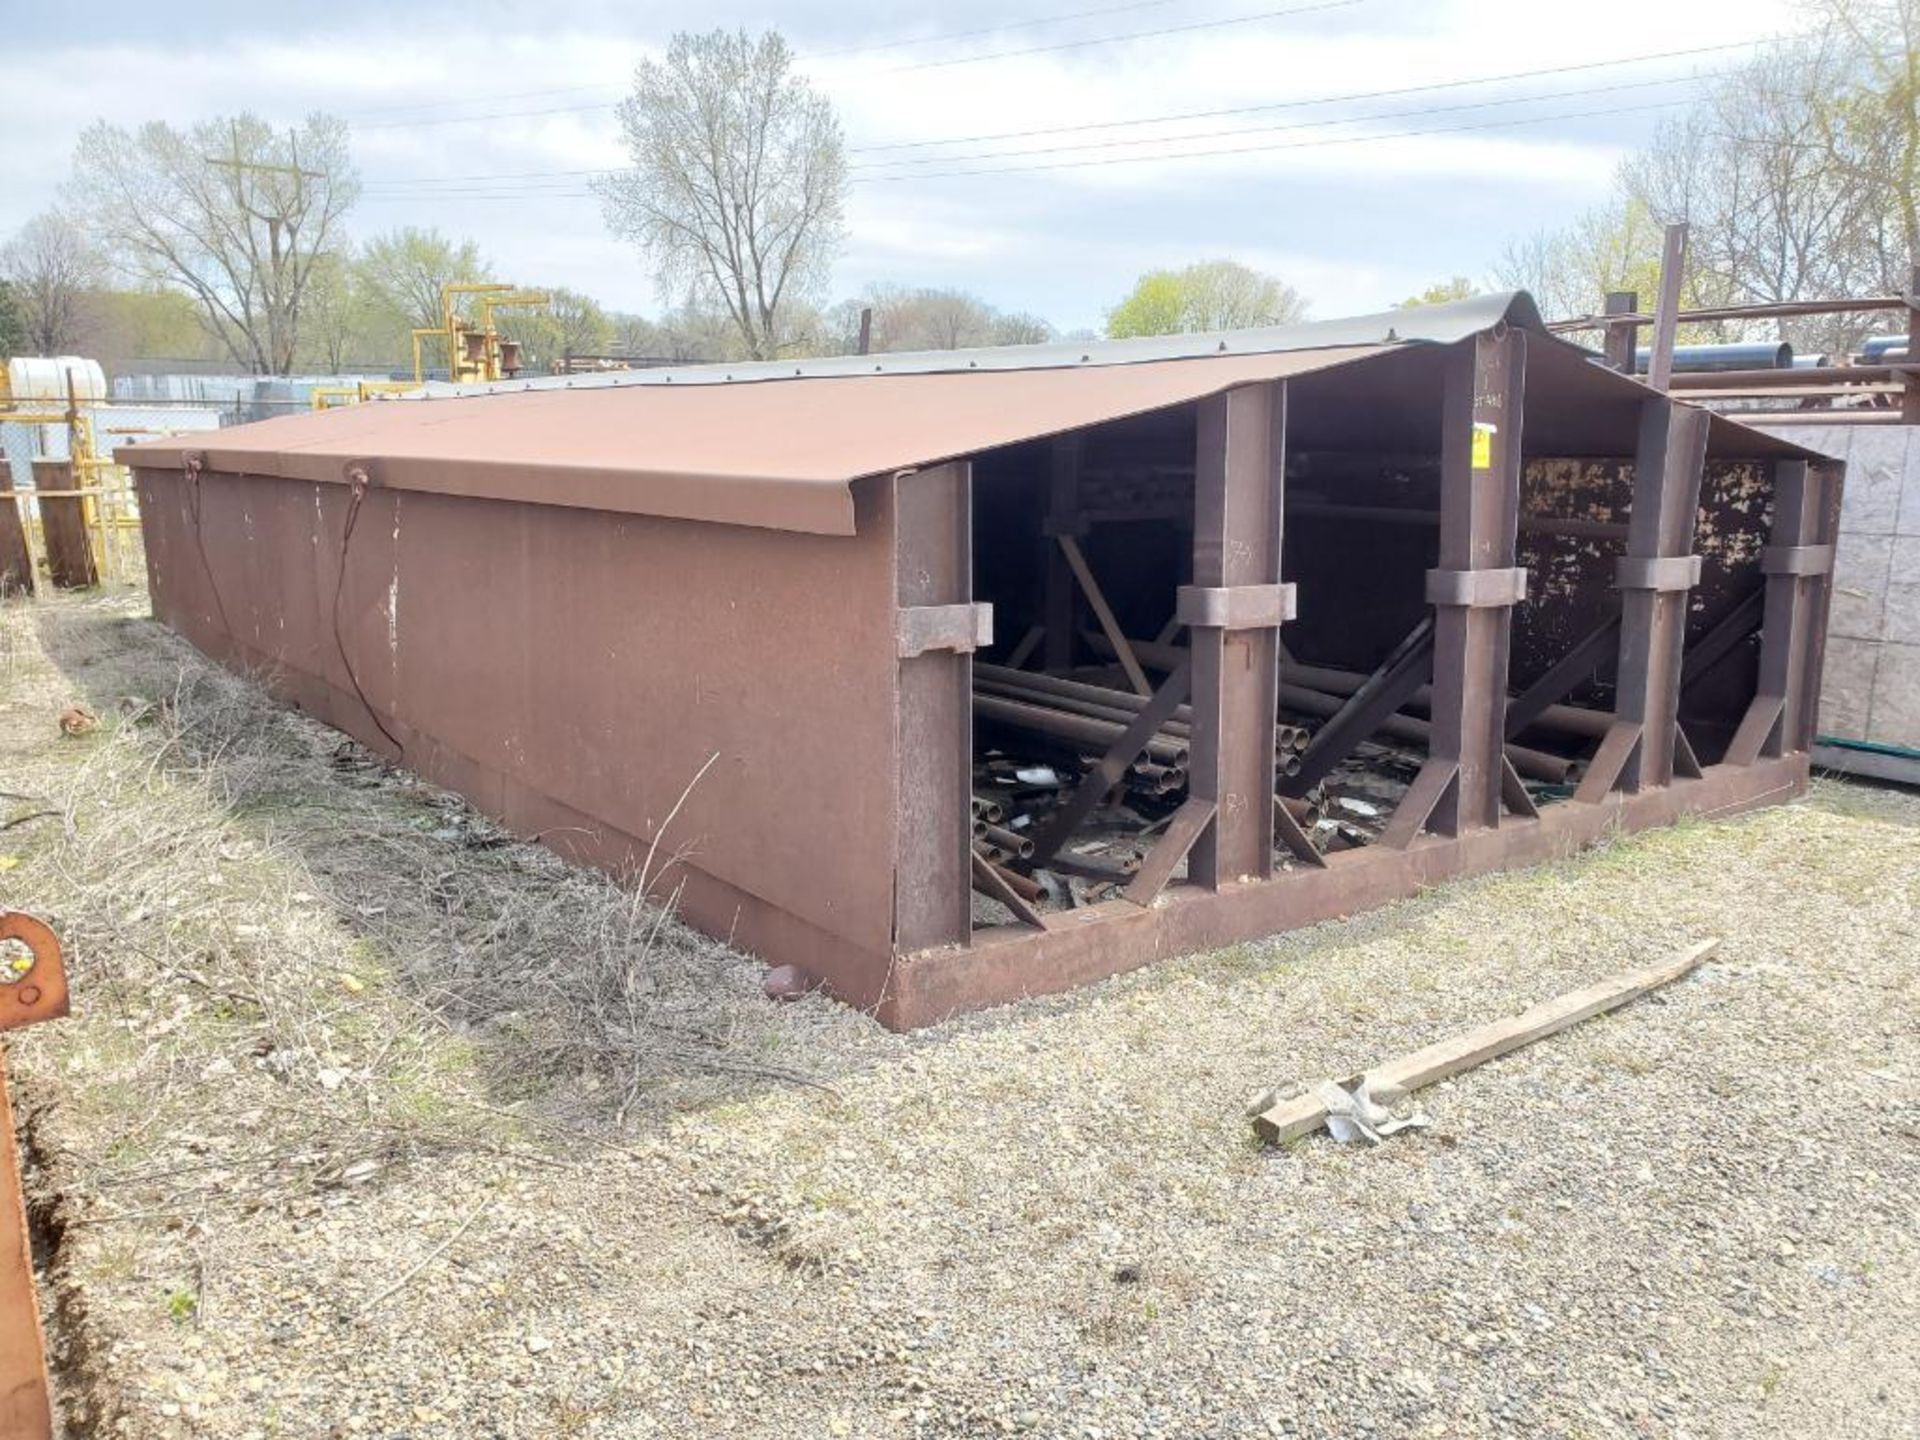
pixel 984 30
pixel 1263 149
pixel 1131 35
pixel 941 38
pixel 1319 5
pixel 1262 108
pixel 1289 125
pixel 1320 100
pixel 563 178
pixel 1218 151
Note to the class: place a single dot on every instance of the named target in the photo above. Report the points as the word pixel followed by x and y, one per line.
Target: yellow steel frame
pixel 455 327
pixel 108 507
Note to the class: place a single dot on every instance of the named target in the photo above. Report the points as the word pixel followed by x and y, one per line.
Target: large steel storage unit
pixel 569 599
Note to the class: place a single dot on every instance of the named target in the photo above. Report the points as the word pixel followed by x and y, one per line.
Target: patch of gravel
pixel 1691 1218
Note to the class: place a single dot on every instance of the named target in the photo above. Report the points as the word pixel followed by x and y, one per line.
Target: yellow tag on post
pixel 1483 432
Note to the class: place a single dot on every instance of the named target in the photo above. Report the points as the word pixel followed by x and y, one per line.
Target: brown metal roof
pixel 780 455
pixel 778 445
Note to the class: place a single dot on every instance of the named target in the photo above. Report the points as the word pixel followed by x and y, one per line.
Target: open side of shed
pixel 781 644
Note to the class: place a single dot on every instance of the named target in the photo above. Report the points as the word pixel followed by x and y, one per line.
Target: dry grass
pixel 241 890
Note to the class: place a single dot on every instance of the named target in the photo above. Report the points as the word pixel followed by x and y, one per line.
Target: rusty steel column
pixel 1798 564
pixel 1060 603
pixel 1475 586
pixel 33 987
pixel 1233 612
pixel 1622 340
pixel 16 560
pixel 938 628
pixel 1910 392
pixel 63 527
pixel 1655 576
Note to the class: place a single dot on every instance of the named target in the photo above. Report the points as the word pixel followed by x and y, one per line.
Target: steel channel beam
pixel 1668 466
pixel 1238 501
pixel 933 875
pixel 1479 528
pixel 1060 602
pixel 1910 399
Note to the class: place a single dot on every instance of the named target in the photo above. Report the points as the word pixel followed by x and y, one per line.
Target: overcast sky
pixel 1337 198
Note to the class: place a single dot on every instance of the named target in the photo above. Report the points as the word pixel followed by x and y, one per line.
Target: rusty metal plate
pixel 33 982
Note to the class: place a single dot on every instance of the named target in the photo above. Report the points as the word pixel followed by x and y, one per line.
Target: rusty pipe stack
pixel 998 689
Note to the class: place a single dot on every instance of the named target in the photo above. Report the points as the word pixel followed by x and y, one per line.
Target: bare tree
pixel 738 179
pixel 1751 170
pixel 51 270
pixel 1872 124
pixel 233 211
pixel 1021 328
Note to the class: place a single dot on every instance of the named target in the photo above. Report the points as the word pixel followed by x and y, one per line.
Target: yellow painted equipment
pixel 476 353
pixel 110 512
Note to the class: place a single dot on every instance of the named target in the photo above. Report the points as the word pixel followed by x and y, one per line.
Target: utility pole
pixel 285 217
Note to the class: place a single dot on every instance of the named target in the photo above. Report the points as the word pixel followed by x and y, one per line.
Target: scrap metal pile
pixel 1042 736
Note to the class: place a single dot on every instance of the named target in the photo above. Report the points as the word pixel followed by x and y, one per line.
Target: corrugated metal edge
pixel 1423 324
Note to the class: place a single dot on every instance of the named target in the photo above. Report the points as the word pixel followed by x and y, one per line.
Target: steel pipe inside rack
pixel 1011 841
pixel 1079 730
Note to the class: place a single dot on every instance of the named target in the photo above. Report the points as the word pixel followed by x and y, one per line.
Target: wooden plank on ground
pixel 1302 1115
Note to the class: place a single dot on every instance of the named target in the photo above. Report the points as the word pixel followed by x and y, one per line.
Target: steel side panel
pixel 581 660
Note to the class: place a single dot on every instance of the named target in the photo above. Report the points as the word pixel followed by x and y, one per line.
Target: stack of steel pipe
pixel 997 689
pixel 1533 764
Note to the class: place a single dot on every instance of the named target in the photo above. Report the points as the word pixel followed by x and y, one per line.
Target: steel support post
pixel 1910 393
pixel 1622 340
pixel 937 631
pixel 1655 577
pixel 1234 610
pixel 1798 564
pixel 1059 603
pixel 1474 588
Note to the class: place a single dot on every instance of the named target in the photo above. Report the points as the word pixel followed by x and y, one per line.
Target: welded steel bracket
pixel 959 628
pixel 1477 589
pixel 1662 573
pixel 1797 560
pixel 33 987
pixel 1234 607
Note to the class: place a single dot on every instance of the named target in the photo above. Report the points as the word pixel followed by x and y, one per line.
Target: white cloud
pixel 1354 224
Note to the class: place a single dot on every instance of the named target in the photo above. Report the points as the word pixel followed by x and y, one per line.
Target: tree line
pixel 1799 174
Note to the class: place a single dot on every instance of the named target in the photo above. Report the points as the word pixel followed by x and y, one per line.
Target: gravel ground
pixel 1691 1218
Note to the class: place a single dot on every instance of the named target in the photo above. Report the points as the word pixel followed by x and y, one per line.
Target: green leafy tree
pixel 1212 295
pixel 13 332
pixel 1441 292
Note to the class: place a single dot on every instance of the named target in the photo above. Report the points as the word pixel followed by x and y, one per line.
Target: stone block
pixel 1861 566
pixel 1895 717
pixel 1846 687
